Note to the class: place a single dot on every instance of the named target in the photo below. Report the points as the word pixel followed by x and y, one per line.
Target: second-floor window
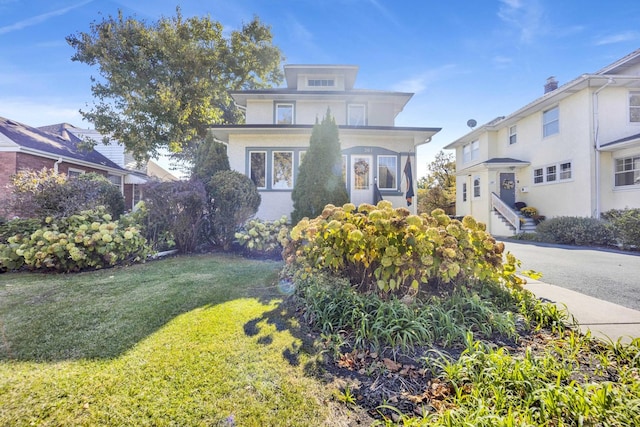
pixel 321 82
pixel 513 134
pixel 471 152
pixel 356 115
pixel 634 107
pixel 550 122
pixel 284 114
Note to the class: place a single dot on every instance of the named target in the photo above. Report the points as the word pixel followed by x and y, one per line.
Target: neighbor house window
pixel 552 173
pixel 476 186
pixel 74 173
pixel 627 171
pixel 551 122
pixel 565 171
pixel 115 179
pixel 471 152
pixel 356 115
pixel 464 191
pixel 513 134
pixel 634 107
pixel 321 82
pixel 284 114
pixel 258 168
pixel 137 194
pixel 282 172
pixel 538 176
pixel 387 172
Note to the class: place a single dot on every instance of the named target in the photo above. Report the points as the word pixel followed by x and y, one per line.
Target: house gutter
pixel 596 140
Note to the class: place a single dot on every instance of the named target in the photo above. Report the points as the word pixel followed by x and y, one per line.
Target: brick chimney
pixel 551 85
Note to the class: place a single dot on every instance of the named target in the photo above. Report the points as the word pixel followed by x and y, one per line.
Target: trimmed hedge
pixel 580 231
pixel 626 226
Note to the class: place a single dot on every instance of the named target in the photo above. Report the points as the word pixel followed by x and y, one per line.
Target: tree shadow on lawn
pixel 103 314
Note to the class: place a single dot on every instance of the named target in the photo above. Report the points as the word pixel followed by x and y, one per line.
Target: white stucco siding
pixel 613 197
pixel 613 114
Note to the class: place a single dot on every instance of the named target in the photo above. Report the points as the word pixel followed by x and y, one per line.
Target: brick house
pixel 24 147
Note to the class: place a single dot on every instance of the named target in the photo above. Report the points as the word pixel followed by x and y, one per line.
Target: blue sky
pixel 462 59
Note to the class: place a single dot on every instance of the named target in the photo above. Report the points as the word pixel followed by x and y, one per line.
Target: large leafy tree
pixel 163 83
pixel 437 190
pixel 320 179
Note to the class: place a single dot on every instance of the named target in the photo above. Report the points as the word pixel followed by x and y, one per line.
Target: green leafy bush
pixel 90 239
pixel 626 226
pixel 235 200
pixel 576 231
pixel 263 238
pixel 18 226
pixel 46 193
pixel 388 250
pixel 176 212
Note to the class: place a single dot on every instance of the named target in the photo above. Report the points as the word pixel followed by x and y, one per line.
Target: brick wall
pixel 7 168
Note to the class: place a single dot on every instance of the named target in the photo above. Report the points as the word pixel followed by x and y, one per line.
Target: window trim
pixel 635 107
pixel 290 104
pixel 513 134
pixel 616 173
pixel 364 114
pixel 266 167
pixel 546 124
pixel 477 193
pixel 474 151
pixel 546 171
pixel 323 82
pixel 76 172
pixel 464 191
pixel 395 172
pixel 273 171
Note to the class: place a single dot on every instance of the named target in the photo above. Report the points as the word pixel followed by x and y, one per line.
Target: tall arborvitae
pixel 320 180
pixel 210 157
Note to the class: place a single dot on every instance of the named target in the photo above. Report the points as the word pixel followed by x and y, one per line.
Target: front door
pixel 508 188
pixel 361 179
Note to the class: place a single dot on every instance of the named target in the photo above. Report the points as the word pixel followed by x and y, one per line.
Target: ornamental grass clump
pixel 390 251
pixel 88 240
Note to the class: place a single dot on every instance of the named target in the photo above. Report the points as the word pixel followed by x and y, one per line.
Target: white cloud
pixel 618 38
pixel 420 82
pixel 38 19
pixel 525 17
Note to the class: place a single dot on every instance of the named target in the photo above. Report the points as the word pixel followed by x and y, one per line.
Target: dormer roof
pixel 293 71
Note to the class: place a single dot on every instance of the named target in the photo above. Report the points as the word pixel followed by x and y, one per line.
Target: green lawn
pixel 182 341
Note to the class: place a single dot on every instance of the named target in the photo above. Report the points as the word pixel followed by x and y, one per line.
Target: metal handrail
pixel 509 214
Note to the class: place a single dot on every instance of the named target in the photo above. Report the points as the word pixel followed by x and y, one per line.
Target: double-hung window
pixel 627 171
pixel 513 134
pixel 634 107
pixel 282 170
pixel 258 168
pixel 551 122
pixel 552 173
pixel 388 172
pixel 284 113
pixel 356 115
pixel 471 152
pixel 464 191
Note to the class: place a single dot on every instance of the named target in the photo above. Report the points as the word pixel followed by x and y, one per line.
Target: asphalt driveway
pixel 612 276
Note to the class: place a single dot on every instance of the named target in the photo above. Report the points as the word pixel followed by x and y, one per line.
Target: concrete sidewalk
pixel 605 319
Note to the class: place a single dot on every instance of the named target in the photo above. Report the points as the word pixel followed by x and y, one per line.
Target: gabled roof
pixel 292 71
pixel 614 74
pixel 38 142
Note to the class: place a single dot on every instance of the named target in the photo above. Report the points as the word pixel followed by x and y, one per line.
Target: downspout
pixel 596 140
pixel 55 165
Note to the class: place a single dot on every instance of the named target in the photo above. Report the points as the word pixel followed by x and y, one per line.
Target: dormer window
pixel 284 114
pixel 321 82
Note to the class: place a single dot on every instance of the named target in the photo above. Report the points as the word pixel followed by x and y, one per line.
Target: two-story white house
pixel 575 151
pixel 269 147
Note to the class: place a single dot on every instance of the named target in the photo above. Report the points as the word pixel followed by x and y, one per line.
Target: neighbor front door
pixel 508 188
pixel 361 179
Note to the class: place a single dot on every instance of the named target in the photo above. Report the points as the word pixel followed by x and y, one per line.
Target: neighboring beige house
pixel 270 145
pixel 575 151
pixel 137 174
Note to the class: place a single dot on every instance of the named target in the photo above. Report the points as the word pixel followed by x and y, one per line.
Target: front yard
pixel 183 341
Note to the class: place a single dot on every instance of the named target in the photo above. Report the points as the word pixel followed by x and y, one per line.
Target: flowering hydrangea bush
pixel 90 239
pixel 387 250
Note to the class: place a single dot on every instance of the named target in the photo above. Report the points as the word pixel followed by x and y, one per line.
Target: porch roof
pixel 495 163
pixel 622 143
